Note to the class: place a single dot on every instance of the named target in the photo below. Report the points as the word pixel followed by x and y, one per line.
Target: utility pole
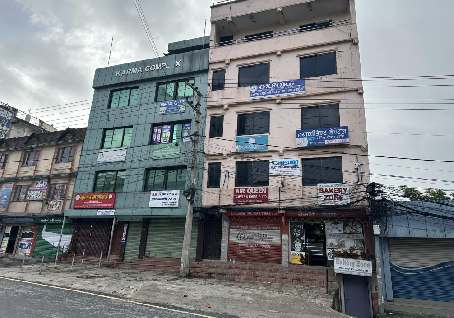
pixel 190 193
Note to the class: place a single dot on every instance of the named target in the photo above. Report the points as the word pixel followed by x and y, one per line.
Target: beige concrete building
pixel 286 147
pixel 37 176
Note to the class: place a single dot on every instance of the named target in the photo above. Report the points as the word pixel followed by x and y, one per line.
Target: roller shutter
pixel 422 269
pixel 133 241
pixel 165 238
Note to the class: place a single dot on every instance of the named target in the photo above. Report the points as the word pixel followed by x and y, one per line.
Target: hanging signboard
pixel 285 167
pixel 173 107
pixel 6 118
pixel 164 199
pixel 5 194
pixel 38 191
pixel 112 155
pixel 333 194
pixel 250 195
pixel 356 267
pixel 253 143
pixel 96 200
pixel 322 137
pixel 273 89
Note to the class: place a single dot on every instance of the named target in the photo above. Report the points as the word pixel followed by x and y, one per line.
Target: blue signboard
pixel 278 89
pixel 252 143
pixel 322 136
pixel 173 107
pixel 5 193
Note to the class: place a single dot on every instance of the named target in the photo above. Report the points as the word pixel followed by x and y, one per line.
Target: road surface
pixel 28 300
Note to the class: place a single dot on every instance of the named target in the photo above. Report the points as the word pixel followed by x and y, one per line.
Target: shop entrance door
pixel 12 239
pixel 356 296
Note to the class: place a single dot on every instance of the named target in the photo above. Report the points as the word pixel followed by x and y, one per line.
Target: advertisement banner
pixel 5 194
pixel 344 238
pixel 173 107
pixel 112 155
pixel 322 137
pixel 285 167
pixel 284 88
pixel 255 236
pixel 333 194
pixel 6 118
pixel 38 191
pixel 356 267
pixel 250 195
pixel 253 143
pixel 105 212
pixel 164 199
pixel 96 200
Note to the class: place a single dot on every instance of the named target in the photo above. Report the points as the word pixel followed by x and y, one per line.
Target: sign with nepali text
pixel 173 107
pixel 356 267
pixel 38 191
pixel 284 88
pixel 164 199
pixel 322 137
pixel 95 200
pixel 333 194
pixel 250 195
pixel 285 167
pixel 252 143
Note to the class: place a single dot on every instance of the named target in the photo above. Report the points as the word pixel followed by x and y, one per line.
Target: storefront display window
pixel 307 243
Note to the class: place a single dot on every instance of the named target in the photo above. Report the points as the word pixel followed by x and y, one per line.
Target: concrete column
pixel 225 238
pixel 285 241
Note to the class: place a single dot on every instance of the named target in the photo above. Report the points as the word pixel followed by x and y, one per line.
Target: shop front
pixel 17 236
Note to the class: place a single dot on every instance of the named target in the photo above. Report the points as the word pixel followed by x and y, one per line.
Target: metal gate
pixel 91 237
pixel 422 269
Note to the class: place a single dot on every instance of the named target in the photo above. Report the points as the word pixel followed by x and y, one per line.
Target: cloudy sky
pixel 49 50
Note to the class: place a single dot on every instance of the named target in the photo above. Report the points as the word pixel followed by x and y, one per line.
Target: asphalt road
pixel 24 300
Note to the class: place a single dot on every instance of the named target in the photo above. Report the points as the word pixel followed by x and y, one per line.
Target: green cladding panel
pixel 165 238
pixel 133 241
pixel 48 237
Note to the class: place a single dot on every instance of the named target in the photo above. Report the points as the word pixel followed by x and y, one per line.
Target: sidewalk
pixel 419 308
pixel 238 299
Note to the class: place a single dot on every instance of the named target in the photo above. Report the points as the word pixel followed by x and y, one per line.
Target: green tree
pixel 436 195
pixel 411 193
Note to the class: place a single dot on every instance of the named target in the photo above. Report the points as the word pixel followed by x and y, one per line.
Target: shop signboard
pixel 95 200
pixel 356 267
pixel 244 235
pixel 344 238
pixel 284 88
pixel 5 194
pixel 38 191
pixel 250 195
pixel 322 137
pixel 333 194
pixel 6 118
pixel 252 143
pixel 285 167
pixel 164 199
pixel 105 212
pixel 173 107
pixel 112 155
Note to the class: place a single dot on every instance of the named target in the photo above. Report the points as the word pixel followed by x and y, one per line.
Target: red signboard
pixel 250 195
pixel 97 200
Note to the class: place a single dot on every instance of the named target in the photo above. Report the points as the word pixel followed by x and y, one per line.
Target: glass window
pixel 254 75
pixel 110 181
pixel 174 90
pixel 323 116
pixel 218 81
pixel 171 133
pixel 64 154
pixel 57 192
pixel 318 65
pixel 216 126
pixel 322 170
pixel 185 90
pixel 30 158
pixel 125 97
pixel 165 179
pixel 117 137
pixel 214 175
pixel 253 123
pixel 20 193
pixel 252 173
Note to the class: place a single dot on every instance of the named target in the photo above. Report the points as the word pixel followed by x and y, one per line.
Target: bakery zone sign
pixel 148 68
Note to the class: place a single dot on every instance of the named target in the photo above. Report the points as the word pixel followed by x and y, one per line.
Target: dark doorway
pixel 308 243
pixel 119 240
pixel 212 236
pixel 356 296
pixel 12 240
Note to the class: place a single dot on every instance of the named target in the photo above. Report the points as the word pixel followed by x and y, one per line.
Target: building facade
pixel 286 146
pixel 37 176
pixel 130 193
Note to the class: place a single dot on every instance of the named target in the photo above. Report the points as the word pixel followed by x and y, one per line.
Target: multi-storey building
pixel 286 145
pixel 37 176
pixel 130 192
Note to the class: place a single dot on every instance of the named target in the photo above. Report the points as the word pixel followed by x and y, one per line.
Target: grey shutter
pixel 133 241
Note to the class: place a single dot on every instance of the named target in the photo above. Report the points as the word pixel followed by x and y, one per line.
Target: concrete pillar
pixel 285 241
pixel 225 237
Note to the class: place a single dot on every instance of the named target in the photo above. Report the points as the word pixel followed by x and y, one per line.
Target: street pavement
pixel 24 300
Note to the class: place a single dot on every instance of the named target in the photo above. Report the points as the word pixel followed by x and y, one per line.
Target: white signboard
pixel 349 266
pixel 164 199
pixel 112 155
pixel 333 194
pixel 105 212
pixel 285 167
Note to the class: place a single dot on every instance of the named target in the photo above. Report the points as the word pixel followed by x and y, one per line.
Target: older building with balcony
pixel 37 176
pixel 286 146
pixel 130 200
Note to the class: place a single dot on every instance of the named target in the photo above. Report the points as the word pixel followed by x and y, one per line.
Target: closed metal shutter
pixel 91 237
pixel 422 269
pixel 48 237
pixel 165 238
pixel 133 241
pixel 255 239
